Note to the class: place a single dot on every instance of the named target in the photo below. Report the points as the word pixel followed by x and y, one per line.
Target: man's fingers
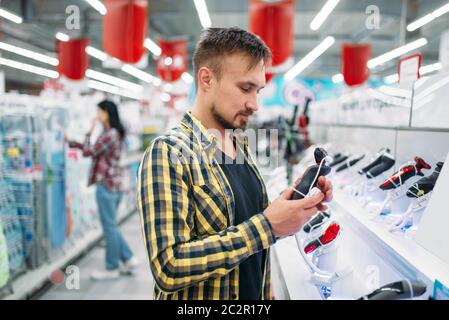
pixel 312 201
pixel 329 195
pixel 287 193
pixel 322 207
pixel 310 212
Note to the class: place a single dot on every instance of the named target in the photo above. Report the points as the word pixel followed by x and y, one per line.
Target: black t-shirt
pixel 247 192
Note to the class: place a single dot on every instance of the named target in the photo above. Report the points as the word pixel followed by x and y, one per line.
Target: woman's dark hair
pixel 114 119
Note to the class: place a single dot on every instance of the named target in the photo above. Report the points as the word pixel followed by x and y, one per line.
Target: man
pixel 208 225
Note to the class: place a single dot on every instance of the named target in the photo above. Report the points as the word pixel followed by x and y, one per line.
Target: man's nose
pixel 252 104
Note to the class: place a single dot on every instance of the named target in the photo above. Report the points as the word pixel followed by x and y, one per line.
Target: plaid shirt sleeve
pixel 179 259
pixel 106 142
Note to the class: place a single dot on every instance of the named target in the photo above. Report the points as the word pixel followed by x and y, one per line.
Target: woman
pixel 105 172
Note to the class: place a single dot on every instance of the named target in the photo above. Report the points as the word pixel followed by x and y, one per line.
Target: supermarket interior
pixel 95 94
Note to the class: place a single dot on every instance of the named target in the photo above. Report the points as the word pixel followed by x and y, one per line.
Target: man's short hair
pixel 216 43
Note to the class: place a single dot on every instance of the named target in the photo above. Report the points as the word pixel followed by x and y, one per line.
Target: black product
pixel 303 122
pixel 316 222
pixel 405 173
pixel 397 291
pixel 310 177
pixel 338 160
pixel 386 162
pixel 337 156
pixel 426 184
pixel 350 163
pixel 375 162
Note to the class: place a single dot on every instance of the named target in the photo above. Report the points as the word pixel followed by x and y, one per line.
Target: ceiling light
pixel 203 13
pixel 309 58
pixel 62 37
pixel 430 68
pixel 29 54
pixel 29 68
pixel 396 52
pixel 321 16
pixel 152 46
pixel 111 89
pixel 337 78
pixel 10 16
pixel 428 18
pixel 100 55
pixel 98 5
pixel 113 80
pixel 139 74
pixel 187 77
pixel 392 78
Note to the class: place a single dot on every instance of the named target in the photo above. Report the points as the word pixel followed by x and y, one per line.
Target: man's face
pixel 234 96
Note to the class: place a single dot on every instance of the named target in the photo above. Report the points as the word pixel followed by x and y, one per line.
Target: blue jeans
pixel 116 246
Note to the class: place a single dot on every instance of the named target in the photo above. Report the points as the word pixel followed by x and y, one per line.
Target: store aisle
pixel 136 287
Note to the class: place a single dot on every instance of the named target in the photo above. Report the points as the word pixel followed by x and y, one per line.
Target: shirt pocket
pixel 211 214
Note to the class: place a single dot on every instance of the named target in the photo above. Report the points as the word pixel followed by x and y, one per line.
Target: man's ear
pixel 205 78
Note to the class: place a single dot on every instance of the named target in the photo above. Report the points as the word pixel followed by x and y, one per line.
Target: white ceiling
pixel 173 18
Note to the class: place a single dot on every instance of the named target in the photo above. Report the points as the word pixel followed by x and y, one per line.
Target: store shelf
pixel 33 280
pixel 295 273
pixel 404 254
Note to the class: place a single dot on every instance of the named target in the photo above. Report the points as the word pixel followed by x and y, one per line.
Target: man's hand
pixel 288 216
pixel 326 188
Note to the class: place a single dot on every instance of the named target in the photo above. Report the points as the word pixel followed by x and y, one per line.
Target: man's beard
pixel 226 124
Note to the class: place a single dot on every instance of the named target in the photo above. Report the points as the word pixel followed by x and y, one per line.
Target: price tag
pixel 408 69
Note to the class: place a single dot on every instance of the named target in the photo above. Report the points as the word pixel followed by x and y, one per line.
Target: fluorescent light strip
pixel 62 37
pixel 111 89
pixel 98 5
pixel 322 15
pixel 309 58
pixel 337 78
pixel 100 55
pixel 113 80
pixel 29 68
pixel 203 13
pixel 430 68
pixel 10 16
pixel 140 74
pixel 396 52
pixel 428 18
pixel 187 77
pixel 392 78
pixel 152 46
pixel 29 54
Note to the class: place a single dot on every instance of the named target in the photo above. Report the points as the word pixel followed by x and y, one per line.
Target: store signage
pixel 73 59
pixel 408 68
pixel 272 21
pixel 172 62
pixel 124 29
pixel 354 58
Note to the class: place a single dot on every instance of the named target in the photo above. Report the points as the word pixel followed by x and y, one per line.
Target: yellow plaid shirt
pixel 187 208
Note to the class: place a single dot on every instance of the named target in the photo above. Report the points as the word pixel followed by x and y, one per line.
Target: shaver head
pixel 326 238
pixel 421 164
pixel 319 155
